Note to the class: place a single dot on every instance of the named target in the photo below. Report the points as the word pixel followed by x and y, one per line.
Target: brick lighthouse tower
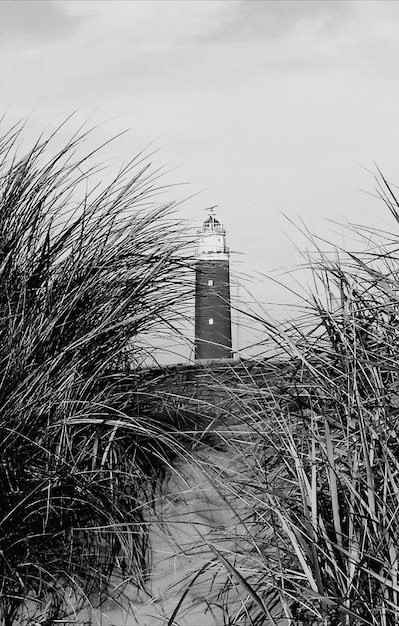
pixel 212 292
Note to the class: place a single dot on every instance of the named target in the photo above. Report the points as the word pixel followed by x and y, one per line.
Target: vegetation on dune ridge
pixel 87 272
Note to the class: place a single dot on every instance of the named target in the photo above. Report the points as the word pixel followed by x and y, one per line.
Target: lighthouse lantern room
pixel 212 293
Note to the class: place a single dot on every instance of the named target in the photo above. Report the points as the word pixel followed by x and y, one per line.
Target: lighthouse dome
pixel 211 224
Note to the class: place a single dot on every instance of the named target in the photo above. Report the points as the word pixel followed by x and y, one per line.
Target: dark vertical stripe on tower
pixel 212 310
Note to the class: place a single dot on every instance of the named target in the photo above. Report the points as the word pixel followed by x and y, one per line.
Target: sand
pixel 189 527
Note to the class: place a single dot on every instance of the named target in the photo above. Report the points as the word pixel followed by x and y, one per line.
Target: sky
pixel 275 111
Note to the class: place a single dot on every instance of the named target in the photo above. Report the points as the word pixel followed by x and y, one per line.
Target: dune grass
pixel 323 483
pixel 88 272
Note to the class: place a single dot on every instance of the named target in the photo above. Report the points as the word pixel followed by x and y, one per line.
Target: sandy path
pixel 184 568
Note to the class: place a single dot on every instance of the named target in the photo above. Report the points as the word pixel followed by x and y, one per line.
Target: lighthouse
pixel 212 293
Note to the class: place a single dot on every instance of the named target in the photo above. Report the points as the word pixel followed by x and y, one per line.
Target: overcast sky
pixel 269 107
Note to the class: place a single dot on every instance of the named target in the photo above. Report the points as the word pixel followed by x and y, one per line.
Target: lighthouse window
pixel 210 321
pixel 210 282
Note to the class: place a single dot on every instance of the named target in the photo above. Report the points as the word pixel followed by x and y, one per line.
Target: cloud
pixel 119 49
pixel 29 20
pixel 151 20
pixel 275 19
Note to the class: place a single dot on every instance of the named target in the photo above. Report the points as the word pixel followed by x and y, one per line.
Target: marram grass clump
pixel 321 546
pixel 88 271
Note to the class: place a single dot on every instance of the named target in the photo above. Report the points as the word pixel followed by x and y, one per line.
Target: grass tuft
pixel 88 272
pixel 321 448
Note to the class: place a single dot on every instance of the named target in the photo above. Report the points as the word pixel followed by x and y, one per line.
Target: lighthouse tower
pixel 212 292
